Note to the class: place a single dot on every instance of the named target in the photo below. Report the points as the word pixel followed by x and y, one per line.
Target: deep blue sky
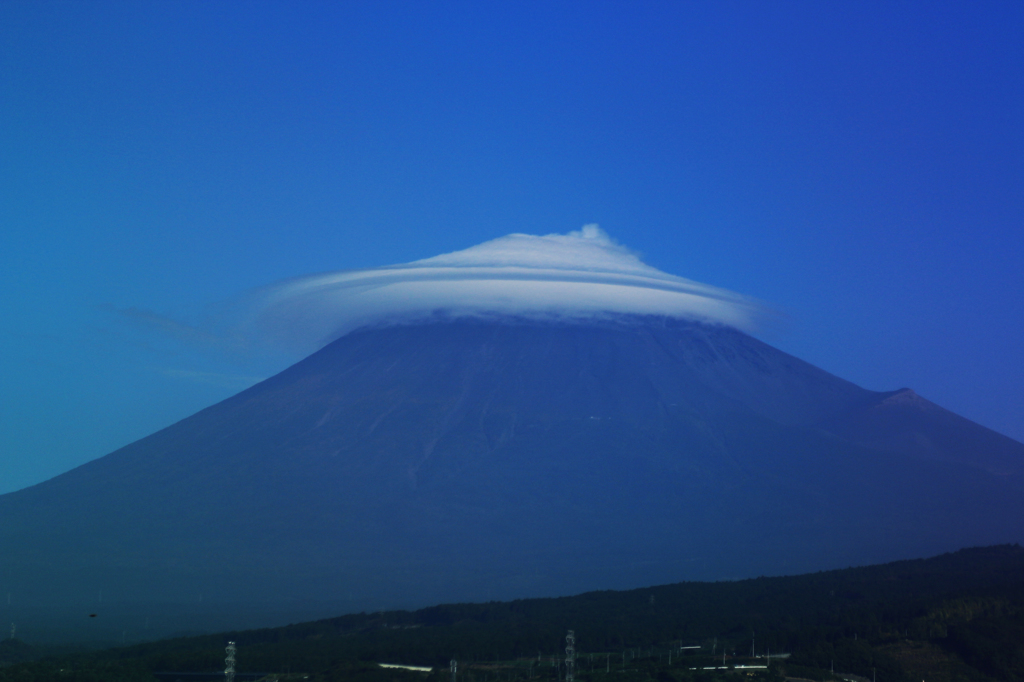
pixel 859 166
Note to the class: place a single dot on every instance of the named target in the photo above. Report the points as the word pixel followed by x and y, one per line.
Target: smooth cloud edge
pixel 566 278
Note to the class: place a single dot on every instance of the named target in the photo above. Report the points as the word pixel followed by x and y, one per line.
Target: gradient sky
pixel 859 166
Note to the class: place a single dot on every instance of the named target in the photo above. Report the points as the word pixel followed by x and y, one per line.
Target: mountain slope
pixel 903 421
pixel 467 460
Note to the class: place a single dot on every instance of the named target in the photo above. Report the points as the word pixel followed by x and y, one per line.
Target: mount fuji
pixel 465 458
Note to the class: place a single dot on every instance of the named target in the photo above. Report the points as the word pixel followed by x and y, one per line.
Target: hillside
pixel 954 617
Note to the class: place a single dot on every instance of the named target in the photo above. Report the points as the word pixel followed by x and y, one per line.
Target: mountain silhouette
pixel 475 459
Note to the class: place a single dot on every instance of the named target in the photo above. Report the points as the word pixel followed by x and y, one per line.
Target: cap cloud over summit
pixel 582 274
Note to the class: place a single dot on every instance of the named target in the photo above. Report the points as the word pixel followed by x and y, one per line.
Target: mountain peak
pixel 907 397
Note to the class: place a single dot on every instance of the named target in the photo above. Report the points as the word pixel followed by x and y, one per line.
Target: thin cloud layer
pixel 583 274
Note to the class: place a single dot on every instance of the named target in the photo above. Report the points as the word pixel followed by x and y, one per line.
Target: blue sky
pixel 859 166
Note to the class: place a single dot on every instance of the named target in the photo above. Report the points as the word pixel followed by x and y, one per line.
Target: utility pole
pixel 229 663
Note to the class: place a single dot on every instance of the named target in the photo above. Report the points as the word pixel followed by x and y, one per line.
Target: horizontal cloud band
pixel 580 275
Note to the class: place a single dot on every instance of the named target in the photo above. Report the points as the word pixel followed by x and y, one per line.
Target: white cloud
pixel 582 274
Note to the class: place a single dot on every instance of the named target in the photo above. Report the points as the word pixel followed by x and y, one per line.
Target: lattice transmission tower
pixel 229 663
pixel 570 656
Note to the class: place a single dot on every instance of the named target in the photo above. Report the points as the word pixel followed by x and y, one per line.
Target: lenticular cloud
pixel 583 274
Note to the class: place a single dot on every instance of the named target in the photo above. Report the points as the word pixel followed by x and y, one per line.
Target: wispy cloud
pixel 229 381
pixel 166 326
pixel 579 275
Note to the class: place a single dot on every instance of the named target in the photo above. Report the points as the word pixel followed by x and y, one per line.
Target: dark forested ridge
pixel 954 617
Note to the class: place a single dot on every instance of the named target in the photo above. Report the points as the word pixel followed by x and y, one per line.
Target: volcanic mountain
pixel 472 459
